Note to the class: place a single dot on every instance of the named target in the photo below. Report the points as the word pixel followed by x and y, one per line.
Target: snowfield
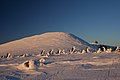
pixel 58 56
pixel 64 67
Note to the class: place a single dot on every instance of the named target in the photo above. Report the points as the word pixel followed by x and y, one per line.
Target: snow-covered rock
pixel 29 65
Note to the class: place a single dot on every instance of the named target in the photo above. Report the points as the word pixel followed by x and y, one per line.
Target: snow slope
pixel 47 41
pixel 95 66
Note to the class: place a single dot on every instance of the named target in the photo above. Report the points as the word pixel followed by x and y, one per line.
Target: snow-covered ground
pixel 58 56
pixel 102 66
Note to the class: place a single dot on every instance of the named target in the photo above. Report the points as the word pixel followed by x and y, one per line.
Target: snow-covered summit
pixel 47 41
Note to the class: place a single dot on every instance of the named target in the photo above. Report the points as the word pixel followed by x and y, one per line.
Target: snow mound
pixel 47 41
pixel 29 65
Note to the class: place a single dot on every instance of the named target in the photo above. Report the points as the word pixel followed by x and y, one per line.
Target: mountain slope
pixel 47 41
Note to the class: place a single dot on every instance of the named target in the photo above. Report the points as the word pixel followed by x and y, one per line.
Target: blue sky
pixel 88 19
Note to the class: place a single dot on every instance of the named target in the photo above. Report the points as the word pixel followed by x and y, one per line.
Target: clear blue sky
pixel 88 19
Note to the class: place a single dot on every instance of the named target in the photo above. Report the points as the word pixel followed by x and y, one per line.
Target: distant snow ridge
pixel 47 41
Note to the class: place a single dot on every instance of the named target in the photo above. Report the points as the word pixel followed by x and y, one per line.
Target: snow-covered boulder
pixel 29 65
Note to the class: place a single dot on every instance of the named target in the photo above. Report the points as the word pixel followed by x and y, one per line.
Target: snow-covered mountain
pixel 47 41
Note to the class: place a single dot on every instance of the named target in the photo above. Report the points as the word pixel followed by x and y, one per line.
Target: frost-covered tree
pixel 83 51
pixel 41 60
pixel 99 50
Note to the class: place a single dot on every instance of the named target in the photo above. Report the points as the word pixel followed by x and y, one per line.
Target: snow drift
pixel 47 41
pixel 29 65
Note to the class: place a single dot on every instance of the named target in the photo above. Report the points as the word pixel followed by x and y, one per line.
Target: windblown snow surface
pixel 64 67
pixel 87 66
pixel 47 41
